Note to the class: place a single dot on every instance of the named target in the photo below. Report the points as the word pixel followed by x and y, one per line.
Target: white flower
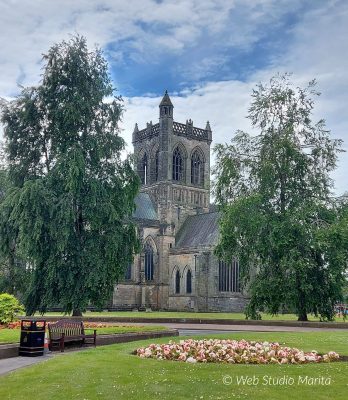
pixel 148 353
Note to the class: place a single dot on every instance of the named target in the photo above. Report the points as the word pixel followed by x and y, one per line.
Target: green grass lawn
pixel 13 335
pixel 176 314
pixel 111 372
pixel 9 335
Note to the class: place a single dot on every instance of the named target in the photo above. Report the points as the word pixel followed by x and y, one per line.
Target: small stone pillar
pixel 142 282
pixel 206 255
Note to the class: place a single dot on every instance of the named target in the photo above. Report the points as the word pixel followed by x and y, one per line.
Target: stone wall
pixel 182 303
pixel 126 296
pixel 205 294
pixel 161 295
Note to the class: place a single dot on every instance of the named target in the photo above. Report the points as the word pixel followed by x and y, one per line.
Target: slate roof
pixel 199 231
pixel 144 207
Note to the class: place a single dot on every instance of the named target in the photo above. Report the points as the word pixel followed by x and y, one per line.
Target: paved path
pixel 204 328
pixel 13 363
pixel 195 332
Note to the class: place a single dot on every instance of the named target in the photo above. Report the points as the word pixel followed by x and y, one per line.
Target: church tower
pixel 173 163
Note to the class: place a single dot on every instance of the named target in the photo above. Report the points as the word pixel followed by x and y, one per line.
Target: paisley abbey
pixel 178 227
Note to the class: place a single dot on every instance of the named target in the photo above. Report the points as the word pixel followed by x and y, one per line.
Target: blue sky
pixel 210 57
pixel 209 54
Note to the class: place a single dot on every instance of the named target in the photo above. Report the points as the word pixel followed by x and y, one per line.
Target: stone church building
pixel 178 227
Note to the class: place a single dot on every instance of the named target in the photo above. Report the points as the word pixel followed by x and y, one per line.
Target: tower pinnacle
pixel 166 106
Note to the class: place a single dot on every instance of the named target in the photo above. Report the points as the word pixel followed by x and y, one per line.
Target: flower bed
pixel 12 325
pixel 94 325
pixel 232 351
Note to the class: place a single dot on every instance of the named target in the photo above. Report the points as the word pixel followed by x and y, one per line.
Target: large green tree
pixel 277 212
pixel 72 194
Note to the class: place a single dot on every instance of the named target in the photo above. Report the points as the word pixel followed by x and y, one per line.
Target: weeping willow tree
pixel 278 215
pixel 72 196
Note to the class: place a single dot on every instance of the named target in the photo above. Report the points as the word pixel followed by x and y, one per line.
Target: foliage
pixel 9 308
pixel 277 213
pixel 345 291
pixel 72 195
pixel 344 212
pixel 14 276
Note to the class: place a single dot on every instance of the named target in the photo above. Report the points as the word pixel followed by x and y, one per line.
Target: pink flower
pixel 182 357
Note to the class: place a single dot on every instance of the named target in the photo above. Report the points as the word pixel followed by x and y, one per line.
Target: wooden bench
pixel 63 331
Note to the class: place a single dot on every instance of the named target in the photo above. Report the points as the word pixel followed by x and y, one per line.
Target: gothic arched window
pixel 178 165
pixel 143 169
pixel 156 165
pixel 189 281
pixel 177 282
pixel 229 276
pixel 197 169
pixel 149 264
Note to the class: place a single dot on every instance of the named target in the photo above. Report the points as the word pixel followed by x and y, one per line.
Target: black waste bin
pixel 32 338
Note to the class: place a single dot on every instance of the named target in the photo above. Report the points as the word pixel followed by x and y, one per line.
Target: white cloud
pixel 29 28
pixel 204 68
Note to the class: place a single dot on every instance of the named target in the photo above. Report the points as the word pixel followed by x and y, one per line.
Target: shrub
pixel 10 307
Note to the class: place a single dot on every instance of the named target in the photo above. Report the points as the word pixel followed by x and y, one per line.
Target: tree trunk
pixel 302 316
pixel 77 313
pixel 302 311
pixel 301 304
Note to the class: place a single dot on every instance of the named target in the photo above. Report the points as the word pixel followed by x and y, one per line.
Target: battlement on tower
pixel 186 130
